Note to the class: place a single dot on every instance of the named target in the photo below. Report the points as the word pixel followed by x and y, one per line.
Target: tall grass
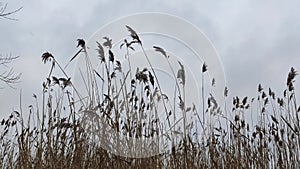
pixel 63 129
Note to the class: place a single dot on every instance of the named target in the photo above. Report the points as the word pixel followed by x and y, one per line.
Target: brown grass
pixel 53 135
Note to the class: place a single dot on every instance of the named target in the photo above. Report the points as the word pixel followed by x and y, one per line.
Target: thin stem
pixel 160 89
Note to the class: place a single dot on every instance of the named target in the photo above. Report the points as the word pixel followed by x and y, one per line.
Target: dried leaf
pixel 160 50
pixel 98 75
pixel 111 56
pixel 245 100
pixel 100 52
pixel 113 75
pixel 259 88
pixel 118 66
pixel 181 74
pixel 55 80
pixel 274 119
pixel 181 103
pixel 151 78
pixel 213 82
pixel 226 91
pixel 204 67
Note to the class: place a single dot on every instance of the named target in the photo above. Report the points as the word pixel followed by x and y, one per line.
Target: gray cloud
pixel 257 41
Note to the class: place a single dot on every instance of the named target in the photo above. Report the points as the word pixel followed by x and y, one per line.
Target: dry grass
pixel 53 135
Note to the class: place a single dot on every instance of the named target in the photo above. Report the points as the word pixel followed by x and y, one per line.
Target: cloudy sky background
pixel 257 41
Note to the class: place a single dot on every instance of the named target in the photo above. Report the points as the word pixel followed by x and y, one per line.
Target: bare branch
pixel 4 60
pixel 9 77
pixel 5 14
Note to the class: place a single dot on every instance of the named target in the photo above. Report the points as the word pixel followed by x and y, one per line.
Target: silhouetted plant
pixel 56 133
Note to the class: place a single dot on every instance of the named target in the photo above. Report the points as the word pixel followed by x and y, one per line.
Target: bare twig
pixel 5 14
pixel 9 76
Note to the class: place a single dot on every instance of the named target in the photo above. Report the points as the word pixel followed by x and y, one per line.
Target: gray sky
pixel 257 41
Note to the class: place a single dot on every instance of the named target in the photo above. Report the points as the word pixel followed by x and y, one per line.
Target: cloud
pixel 257 41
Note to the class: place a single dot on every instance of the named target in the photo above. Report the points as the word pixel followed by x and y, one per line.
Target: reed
pixel 56 131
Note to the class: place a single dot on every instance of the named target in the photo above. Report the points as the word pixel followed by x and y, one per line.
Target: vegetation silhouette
pixel 54 135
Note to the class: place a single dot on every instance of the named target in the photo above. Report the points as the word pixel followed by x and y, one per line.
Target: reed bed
pixel 60 128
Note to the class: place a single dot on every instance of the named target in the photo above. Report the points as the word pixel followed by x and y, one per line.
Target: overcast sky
pixel 257 41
